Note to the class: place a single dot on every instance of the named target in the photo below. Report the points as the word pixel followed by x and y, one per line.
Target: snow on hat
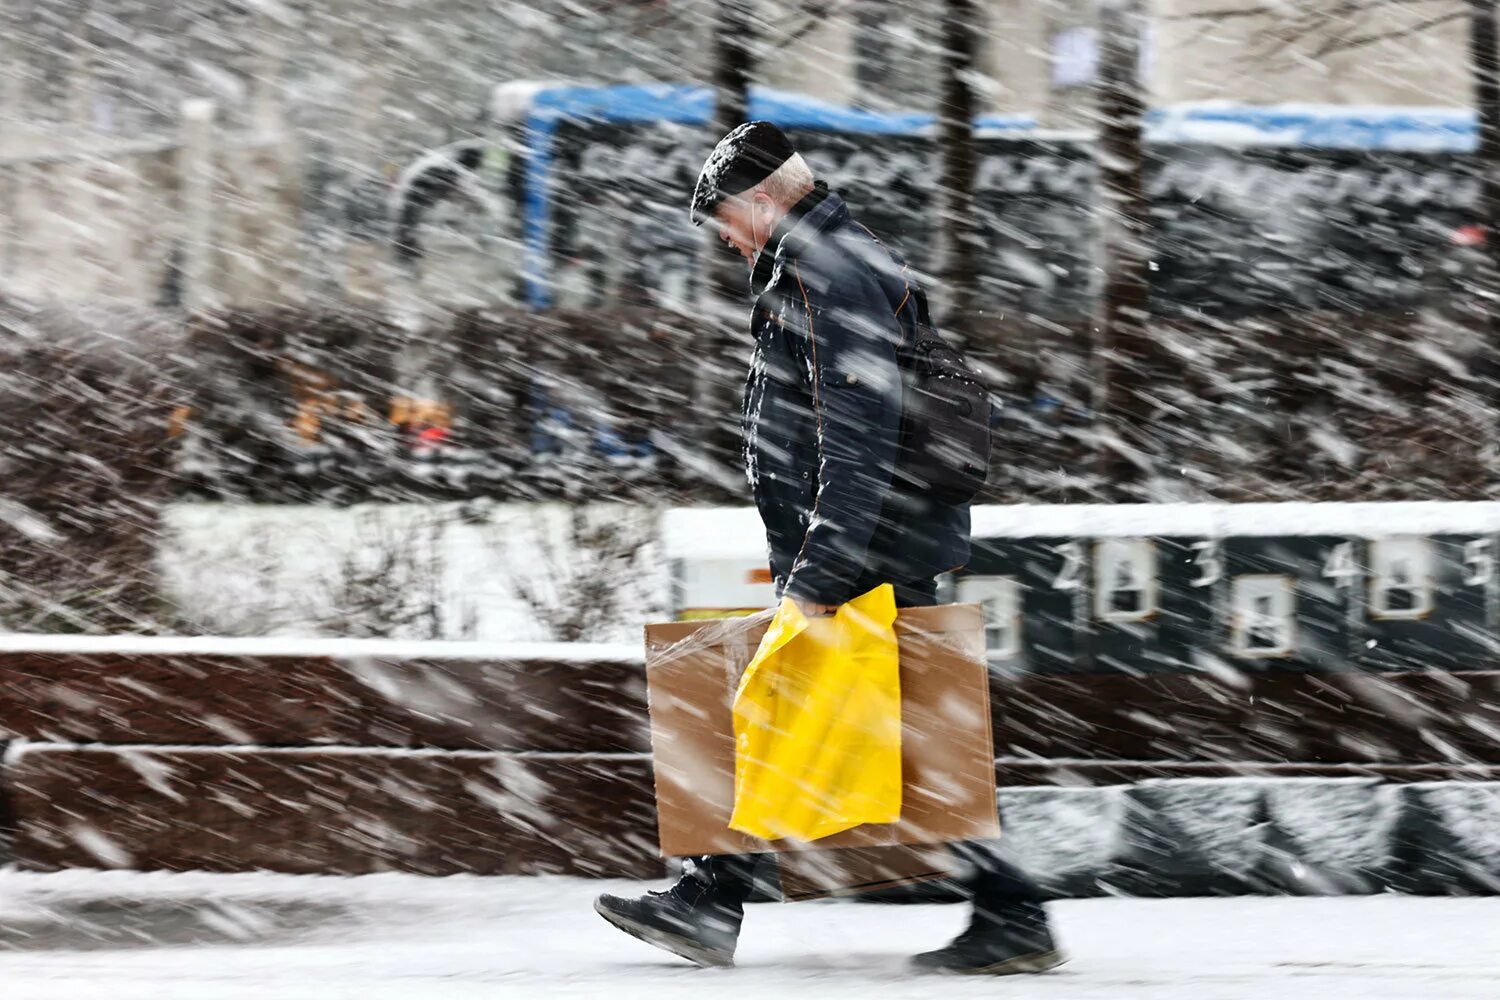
pixel 741 160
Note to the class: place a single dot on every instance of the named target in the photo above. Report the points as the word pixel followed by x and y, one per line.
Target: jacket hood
pixel 818 210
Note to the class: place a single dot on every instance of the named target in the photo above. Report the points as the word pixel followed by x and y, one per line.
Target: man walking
pixel 822 419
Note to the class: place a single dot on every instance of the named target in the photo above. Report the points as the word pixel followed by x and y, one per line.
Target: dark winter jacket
pixel 822 409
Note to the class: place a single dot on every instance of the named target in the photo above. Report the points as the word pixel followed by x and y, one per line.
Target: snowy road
pixel 124 936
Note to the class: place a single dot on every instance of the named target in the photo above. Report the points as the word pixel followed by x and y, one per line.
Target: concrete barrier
pixel 1448 838
pixel 360 756
pixel 346 811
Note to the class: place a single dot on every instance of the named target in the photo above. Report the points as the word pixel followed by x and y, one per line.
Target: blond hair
pixel 788 183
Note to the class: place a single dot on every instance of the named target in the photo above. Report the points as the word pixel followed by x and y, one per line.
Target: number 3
pixel 1207 560
pixel 1071 574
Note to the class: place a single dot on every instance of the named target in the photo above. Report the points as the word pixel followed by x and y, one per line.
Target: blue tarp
pixel 1382 127
pixel 683 104
pixel 1368 127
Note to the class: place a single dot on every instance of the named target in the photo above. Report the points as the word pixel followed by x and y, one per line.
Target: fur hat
pixel 741 160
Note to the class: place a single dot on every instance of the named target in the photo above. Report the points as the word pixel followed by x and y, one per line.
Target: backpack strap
pixel 914 295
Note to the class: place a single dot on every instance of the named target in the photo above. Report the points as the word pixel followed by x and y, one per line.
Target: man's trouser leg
pixel 996 879
pixel 730 877
pixel 998 882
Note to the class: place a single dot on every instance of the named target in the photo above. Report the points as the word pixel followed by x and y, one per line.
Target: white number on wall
pixel 1070 576
pixel 1210 565
pixel 1000 597
pixel 1479 562
pixel 1401 577
pixel 1263 615
pixel 1340 566
pixel 1124 579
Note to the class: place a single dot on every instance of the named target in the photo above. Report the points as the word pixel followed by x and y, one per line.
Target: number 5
pixel 1479 560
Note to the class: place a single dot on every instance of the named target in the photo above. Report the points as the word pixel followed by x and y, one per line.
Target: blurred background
pixel 320 255
pixel 377 319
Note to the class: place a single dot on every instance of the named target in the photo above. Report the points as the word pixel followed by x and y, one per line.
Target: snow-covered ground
pixel 124 936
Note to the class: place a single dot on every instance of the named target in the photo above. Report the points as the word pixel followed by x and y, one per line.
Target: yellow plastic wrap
pixel 817 723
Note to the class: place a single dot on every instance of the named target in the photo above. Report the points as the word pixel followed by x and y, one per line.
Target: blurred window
pixel 1075 55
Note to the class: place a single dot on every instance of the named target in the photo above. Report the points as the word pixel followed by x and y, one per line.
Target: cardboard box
pixel 948 761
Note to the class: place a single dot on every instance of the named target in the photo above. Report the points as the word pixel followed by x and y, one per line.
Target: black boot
pixel 1007 935
pixel 697 919
pixel 1001 943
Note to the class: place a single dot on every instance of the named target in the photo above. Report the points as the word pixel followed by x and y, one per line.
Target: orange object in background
pixel 410 411
pixel 320 398
pixel 177 422
pixel 307 421
pixel 312 389
pixel 425 424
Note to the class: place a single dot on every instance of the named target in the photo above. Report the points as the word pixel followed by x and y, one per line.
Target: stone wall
pixel 437 758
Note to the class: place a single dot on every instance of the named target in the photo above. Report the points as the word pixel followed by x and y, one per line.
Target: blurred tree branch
pixel 813 13
pixel 1322 12
pixel 1329 27
pixel 1123 351
pixel 1344 45
pixel 958 163
pixel 1484 65
pixel 1335 27
pixel 726 287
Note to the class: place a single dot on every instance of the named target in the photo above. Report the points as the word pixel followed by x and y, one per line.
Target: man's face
pixel 743 224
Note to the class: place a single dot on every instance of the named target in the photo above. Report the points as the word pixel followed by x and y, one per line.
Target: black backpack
pixel 945 423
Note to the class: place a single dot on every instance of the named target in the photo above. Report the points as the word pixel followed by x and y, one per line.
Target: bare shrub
pixel 85 400
pixel 584 576
pixel 390 583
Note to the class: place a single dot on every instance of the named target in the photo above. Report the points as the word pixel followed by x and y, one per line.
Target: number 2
pixel 1070 576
